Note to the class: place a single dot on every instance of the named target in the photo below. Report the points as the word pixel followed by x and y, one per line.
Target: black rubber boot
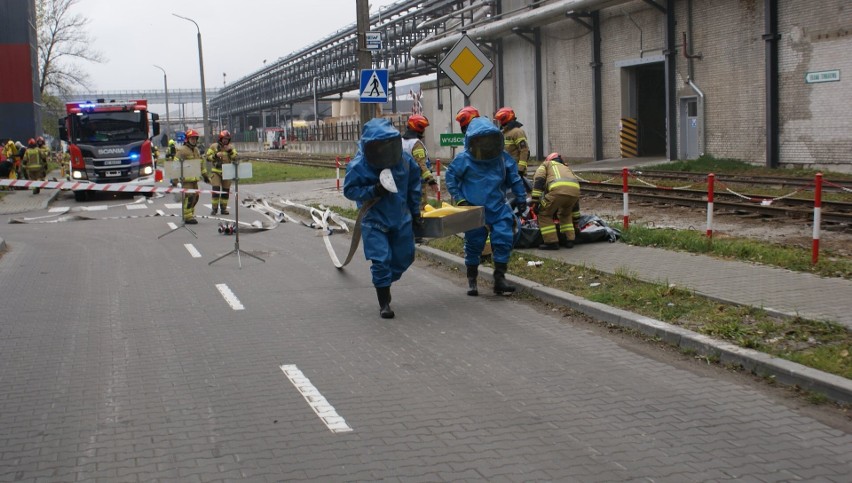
pixel 215 210
pixel 549 246
pixel 472 274
pixel 500 284
pixel 384 296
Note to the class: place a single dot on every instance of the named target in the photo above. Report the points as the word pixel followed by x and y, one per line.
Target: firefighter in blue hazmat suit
pixel 386 227
pixel 480 176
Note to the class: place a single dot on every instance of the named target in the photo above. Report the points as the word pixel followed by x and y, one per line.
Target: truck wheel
pixel 81 195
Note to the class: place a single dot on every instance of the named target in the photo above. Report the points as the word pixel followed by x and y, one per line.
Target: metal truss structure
pixel 331 65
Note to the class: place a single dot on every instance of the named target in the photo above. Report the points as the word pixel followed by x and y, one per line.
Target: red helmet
pixel 191 133
pixel 417 123
pixel 224 135
pixel 40 141
pixel 554 157
pixel 505 115
pixel 31 143
pixel 465 115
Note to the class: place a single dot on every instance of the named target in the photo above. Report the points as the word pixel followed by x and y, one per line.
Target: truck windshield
pixel 109 127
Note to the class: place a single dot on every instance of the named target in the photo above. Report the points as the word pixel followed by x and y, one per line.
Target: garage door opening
pixel 644 93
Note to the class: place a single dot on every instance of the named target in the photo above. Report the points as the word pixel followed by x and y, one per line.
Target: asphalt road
pixel 127 357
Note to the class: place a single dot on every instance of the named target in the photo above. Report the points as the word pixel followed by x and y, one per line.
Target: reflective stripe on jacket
pixel 554 177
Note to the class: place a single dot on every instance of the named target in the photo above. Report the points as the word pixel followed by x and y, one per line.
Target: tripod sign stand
pixel 233 171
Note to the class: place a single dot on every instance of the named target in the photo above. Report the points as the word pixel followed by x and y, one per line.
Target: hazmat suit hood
pixel 380 144
pixel 483 141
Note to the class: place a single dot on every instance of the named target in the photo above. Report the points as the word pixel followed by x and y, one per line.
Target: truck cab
pixel 109 142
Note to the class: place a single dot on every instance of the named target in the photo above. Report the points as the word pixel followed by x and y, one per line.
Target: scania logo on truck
pixel 111 151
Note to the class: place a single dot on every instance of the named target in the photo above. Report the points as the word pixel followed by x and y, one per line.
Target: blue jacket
pixel 394 209
pixel 484 183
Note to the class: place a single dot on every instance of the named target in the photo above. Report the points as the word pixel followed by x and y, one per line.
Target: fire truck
pixel 109 142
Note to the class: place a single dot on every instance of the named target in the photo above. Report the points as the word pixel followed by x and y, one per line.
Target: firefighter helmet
pixel 224 135
pixel 192 133
pixel 465 115
pixel 554 157
pixel 31 143
pixel 40 141
pixel 505 115
pixel 417 123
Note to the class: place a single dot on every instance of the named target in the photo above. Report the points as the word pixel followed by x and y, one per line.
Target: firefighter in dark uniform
pixel 35 163
pixel 189 151
pixel 514 137
pixel 222 152
pixel 556 194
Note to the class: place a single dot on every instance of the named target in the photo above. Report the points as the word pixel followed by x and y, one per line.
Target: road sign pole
pixel 364 56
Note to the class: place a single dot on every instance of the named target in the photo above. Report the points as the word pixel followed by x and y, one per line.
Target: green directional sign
pixel 452 139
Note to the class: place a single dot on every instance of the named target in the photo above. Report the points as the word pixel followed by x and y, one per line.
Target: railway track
pixel 832 213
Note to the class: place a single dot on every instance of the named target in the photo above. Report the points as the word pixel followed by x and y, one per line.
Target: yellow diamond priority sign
pixel 466 65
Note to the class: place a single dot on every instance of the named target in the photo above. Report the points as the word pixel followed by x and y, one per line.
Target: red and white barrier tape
pixel 89 186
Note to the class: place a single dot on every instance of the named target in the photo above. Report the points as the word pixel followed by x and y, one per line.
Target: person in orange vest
pixel 556 194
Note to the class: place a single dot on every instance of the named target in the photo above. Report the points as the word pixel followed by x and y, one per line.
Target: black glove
pixel 432 182
pixel 522 207
pixel 206 178
pixel 416 220
pixel 380 190
pixel 462 203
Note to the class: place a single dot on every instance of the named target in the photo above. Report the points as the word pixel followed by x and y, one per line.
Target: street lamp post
pixel 203 89
pixel 316 110
pixel 166 87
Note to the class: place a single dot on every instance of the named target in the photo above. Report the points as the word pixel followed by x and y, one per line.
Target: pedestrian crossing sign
pixel 374 86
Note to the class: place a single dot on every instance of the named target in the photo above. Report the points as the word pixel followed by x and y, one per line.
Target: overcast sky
pixel 236 37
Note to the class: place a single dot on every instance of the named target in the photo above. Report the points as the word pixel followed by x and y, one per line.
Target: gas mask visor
pixel 484 148
pixel 383 153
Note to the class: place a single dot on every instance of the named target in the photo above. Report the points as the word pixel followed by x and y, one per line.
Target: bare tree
pixel 62 40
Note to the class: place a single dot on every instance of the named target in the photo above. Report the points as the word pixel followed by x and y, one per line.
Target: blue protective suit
pixel 485 183
pixel 386 231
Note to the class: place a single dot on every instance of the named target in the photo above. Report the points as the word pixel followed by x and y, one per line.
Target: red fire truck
pixel 109 142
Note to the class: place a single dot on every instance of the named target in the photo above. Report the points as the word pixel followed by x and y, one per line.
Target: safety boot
pixel 567 243
pixel 472 274
pixel 549 246
pixel 500 284
pixel 225 210
pixel 384 296
pixel 214 210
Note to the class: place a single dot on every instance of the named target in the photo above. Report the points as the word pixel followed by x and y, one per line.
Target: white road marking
pixel 334 422
pixel 229 296
pixel 95 208
pixel 137 207
pixel 58 209
pixel 161 212
pixel 192 250
pixel 172 206
pixel 172 225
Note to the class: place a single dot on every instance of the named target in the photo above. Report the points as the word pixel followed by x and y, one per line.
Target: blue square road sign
pixel 374 86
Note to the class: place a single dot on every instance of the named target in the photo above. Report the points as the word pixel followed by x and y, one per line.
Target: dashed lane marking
pixel 95 208
pixel 173 206
pixel 192 250
pixel 58 209
pixel 172 226
pixel 316 401
pixel 229 296
pixel 137 207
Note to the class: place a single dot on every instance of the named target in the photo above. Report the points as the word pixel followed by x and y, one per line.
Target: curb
pixel 785 372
